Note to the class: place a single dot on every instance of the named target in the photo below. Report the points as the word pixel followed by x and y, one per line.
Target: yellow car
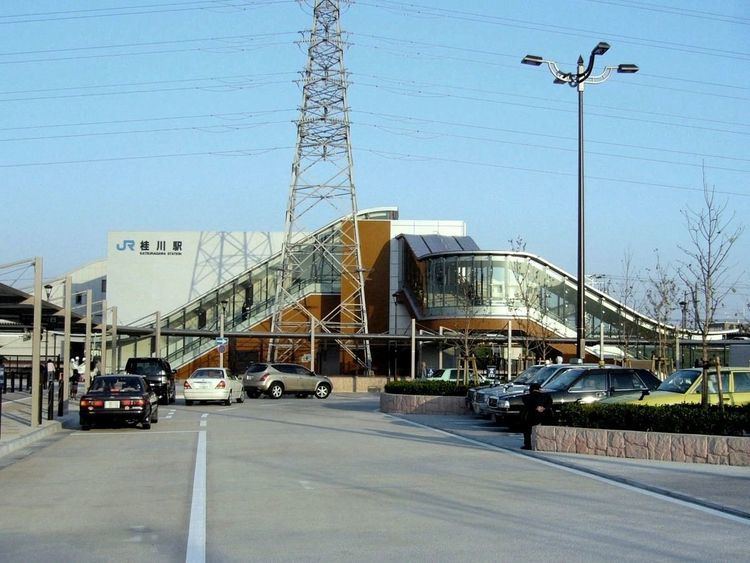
pixel 684 386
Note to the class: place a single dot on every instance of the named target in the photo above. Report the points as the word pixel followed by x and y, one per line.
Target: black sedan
pixel 119 398
pixel 583 386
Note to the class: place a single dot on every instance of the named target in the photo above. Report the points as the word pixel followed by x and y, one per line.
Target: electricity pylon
pixel 316 260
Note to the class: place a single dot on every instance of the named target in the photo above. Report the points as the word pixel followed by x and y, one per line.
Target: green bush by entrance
pixel 417 387
pixel 683 419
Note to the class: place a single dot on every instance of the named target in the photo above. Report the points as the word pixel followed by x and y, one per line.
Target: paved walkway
pixel 16 431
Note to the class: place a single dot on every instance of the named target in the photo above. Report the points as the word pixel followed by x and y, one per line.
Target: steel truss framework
pixel 322 187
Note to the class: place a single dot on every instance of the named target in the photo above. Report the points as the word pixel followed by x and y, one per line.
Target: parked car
pixel 477 398
pixel 453 374
pixel 684 386
pixel 123 398
pixel 517 388
pixel 159 374
pixel 213 384
pixel 275 379
pixel 583 385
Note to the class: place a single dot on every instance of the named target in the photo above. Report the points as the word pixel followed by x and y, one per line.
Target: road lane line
pixel 196 544
pixel 131 433
pixel 675 498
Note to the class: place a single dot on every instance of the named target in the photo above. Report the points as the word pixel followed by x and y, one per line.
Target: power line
pixel 207 5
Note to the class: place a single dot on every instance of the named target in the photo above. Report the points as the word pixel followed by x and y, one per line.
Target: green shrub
pixel 684 419
pixel 421 387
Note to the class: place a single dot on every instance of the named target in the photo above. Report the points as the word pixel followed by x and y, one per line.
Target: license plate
pixel 111 404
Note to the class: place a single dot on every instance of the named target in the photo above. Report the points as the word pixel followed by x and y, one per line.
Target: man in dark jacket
pixel 537 408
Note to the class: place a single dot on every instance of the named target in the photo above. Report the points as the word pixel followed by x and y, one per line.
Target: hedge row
pixel 683 419
pixel 421 387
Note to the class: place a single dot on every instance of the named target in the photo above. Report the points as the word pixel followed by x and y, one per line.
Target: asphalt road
pixel 333 480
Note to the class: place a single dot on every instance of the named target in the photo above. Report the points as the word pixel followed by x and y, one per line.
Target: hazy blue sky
pixel 178 115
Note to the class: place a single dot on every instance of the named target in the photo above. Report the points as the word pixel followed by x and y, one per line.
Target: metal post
pixel 413 347
pixel 36 345
pixel 104 336
pixel 510 345
pixel 312 343
pixel 62 391
pixel 440 350
pixel 157 335
pixel 601 344
pixel 581 293
pixel 221 335
pixel 87 340
pixel 115 351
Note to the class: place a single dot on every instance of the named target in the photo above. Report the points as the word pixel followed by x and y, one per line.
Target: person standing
pixel 73 380
pixel 537 408
pixel 51 373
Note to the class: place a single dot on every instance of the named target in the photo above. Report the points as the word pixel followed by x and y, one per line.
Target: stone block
pixel 678 447
pixel 636 444
pixel 566 439
pixel 659 446
pixel 615 443
pixel 696 448
pixel 543 438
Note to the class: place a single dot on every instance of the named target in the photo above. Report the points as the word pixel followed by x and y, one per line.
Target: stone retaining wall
pixel 692 448
pixel 422 404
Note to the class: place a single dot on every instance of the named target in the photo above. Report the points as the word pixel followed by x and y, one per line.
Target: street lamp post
pixel 577 80
pixel 395 332
pixel 222 314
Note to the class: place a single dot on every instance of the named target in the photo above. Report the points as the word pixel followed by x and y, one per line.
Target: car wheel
pixel 323 391
pixel 173 396
pixel 228 400
pixel 276 390
pixel 164 400
pixel 241 398
pixel 155 415
pixel 188 402
pixel 146 424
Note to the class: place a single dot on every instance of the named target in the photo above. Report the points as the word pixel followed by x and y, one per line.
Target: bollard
pixel 51 400
pixel 60 398
pixel 12 382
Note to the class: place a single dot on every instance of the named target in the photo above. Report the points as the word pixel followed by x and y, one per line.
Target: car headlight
pixel 504 404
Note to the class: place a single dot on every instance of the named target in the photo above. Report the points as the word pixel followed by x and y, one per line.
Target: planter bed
pixel 422 404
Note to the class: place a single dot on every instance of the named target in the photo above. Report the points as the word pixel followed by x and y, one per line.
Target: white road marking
pixel 226 409
pixel 204 415
pixel 133 433
pixel 627 487
pixel 196 545
pixel 170 413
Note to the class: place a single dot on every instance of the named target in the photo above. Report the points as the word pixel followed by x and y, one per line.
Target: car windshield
pixel 527 374
pixel 564 379
pixel 679 381
pixel 116 385
pixel 207 374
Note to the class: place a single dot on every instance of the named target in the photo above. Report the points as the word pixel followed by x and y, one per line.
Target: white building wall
pixel 151 271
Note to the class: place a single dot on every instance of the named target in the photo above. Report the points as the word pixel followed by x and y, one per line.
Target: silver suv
pixel 275 379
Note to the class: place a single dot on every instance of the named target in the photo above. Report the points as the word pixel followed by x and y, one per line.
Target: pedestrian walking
pixel 537 408
pixel 73 379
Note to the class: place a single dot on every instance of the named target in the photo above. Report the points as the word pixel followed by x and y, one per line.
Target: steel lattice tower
pixel 322 192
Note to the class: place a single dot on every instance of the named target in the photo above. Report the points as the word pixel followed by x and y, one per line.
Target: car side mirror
pixel 644 393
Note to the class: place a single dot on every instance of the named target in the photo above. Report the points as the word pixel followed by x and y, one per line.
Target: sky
pixel 172 115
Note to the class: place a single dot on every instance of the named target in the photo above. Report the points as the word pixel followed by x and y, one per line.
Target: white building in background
pixel 149 271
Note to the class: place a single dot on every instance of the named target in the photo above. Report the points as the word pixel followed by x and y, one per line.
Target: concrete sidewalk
pixel 16 431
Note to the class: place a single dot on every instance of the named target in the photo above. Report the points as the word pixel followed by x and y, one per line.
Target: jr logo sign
pixel 126 245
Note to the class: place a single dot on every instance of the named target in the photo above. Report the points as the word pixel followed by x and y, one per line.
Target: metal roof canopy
pixel 17 307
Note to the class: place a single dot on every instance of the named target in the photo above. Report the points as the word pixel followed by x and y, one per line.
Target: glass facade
pixel 513 285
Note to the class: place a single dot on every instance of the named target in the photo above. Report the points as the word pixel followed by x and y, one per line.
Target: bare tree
pixel 626 296
pixel 661 296
pixel 705 271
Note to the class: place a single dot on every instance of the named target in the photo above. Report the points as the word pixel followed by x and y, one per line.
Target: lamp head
pixel 532 60
pixel 601 48
pixel 627 68
pixel 48 289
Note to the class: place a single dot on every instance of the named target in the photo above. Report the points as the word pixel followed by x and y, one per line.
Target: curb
pixel 49 428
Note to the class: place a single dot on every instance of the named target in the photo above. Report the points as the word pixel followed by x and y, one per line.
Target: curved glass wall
pixel 515 285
